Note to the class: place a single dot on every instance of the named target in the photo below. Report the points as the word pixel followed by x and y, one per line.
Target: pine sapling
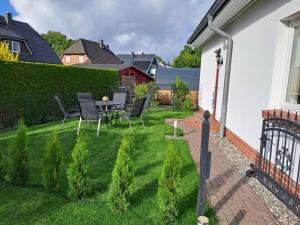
pixel 77 173
pixel 17 171
pixel 52 165
pixel 122 176
pixel 167 194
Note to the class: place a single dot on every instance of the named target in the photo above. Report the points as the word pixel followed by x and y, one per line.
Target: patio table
pixel 107 105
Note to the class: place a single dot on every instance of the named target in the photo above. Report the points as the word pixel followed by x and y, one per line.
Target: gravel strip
pixel 241 163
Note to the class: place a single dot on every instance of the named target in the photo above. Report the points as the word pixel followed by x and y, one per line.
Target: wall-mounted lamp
pixel 219 59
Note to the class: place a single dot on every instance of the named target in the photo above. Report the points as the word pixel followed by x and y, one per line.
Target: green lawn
pixel 31 204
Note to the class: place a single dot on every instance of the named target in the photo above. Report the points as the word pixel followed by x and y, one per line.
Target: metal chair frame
pixel 135 112
pixel 88 111
pixel 70 113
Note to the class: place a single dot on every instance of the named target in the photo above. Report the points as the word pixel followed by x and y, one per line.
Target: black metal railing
pixel 278 167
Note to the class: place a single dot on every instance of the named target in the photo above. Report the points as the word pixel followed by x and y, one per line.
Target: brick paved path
pixel 228 193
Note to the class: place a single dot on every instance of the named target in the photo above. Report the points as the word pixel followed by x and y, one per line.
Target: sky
pixel 161 27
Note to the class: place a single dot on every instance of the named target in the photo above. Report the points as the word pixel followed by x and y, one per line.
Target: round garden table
pixel 107 105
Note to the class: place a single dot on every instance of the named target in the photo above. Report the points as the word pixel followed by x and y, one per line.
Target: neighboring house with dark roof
pixel 124 70
pixel 89 52
pixel 23 39
pixel 165 77
pixel 144 62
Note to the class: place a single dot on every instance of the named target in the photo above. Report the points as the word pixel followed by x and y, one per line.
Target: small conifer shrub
pixel 17 171
pixel 52 165
pixel 77 172
pixel 122 176
pixel 167 194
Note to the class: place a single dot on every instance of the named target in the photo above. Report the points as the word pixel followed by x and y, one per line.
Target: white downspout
pixel 227 72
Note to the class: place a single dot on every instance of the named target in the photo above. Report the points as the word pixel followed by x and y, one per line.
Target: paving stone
pixel 228 193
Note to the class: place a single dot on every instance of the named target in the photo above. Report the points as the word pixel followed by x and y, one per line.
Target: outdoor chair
pixel 68 113
pixel 89 113
pixel 135 111
pixel 119 97
pixel 146 103
pixel 85 96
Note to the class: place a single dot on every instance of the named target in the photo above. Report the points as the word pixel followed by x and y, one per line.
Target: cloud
pixel 154 26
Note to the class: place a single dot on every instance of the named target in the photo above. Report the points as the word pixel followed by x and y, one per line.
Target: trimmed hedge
pixel 27 89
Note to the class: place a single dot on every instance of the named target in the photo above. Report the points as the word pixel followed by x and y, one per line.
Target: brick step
pixel 196 122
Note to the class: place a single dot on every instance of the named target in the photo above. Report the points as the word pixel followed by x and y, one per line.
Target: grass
pixel 32 204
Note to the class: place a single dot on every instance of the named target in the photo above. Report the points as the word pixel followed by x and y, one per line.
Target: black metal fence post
pixel 205 158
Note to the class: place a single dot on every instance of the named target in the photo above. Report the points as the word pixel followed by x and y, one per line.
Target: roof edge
pixel 223 14
pixel 213 11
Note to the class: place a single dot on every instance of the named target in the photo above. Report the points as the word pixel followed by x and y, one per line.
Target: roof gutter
pixel 227 72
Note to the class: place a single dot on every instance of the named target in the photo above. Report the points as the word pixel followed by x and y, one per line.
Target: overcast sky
pixel 152 26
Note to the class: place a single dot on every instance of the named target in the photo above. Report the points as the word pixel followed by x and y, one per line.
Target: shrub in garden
pixel 52 165
pixel 77 173
pixel 181 91
pixel 187 104
pixel 141 90
pixel 167 194
pixel 31 86
pixel 152 89
pixel 122 176
pixel 17 171
pixel 6 54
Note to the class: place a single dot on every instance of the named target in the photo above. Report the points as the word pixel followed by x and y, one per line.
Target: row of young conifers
pixel 15 170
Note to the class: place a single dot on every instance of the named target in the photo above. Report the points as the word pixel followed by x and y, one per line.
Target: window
pixel 68 59
pixel 15 46
pixel 80 58
pixel 293 89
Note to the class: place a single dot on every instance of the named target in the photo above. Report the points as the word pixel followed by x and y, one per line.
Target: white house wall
pixel 258 36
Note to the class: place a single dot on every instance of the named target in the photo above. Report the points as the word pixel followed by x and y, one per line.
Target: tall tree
pixel 188 58
pixel 58 41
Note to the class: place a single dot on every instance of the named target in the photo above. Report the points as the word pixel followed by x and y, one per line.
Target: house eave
pixel 230 11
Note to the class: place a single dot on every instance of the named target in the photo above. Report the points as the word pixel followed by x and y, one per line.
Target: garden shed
pixel 165 77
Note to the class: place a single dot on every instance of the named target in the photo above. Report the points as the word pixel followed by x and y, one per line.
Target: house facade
pixel 140 76
pixel 89 52
pixel 25 41
pixel 147 63
pixel 124 70
pixel 265 65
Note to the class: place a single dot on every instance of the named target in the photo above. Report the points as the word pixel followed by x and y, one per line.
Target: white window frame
pixel 68 59
pixel 14 44
pixel 289 50
pixel 79 59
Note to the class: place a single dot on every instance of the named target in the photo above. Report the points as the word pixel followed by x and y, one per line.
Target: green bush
pixel 52 165
pixel 181 91
pixel 141 90
pixel 17 171
pixel 77 173
pixel 187 104
pixel 27 89
pixel 152 89
pixel 167 194
pixel 122 176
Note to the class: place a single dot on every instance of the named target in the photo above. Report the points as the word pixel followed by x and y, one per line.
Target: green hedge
pixel 27 89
